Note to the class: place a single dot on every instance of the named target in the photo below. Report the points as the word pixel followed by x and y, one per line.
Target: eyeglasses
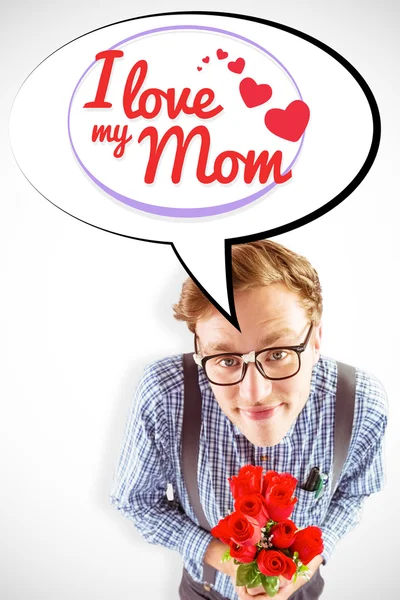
pixel 229 368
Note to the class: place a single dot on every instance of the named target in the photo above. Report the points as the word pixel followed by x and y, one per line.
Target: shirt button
pixel 264 458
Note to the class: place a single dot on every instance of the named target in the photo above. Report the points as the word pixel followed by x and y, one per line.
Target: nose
pixel 254 386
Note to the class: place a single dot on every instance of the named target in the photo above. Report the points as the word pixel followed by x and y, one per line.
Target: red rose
pixel 290 568
pixel 308 543
pixel 244 531
pixel 279 500
pixel 222 530
pixel 248 481
pixel 267 480
pixel 273 563
pixel 245 554
pixel 288 480
pixel 272 477
pixel 253 505
pixel 283 534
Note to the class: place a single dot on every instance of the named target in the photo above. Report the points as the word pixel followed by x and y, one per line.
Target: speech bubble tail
pixel 211 270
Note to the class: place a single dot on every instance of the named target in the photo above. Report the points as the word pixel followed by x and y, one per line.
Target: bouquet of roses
pixel 262 539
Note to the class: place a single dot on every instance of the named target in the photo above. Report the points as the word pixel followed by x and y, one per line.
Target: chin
pixel 265 432
pixel 265 440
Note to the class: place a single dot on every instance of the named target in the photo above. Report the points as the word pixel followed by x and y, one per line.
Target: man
pixel 274 409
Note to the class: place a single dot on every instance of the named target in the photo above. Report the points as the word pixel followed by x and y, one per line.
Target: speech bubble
pixel 196 129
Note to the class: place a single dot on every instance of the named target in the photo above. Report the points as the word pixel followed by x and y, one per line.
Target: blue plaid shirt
pixel 150 459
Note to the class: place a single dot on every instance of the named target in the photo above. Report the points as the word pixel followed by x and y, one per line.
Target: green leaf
pixel 255 575
pixel 226 556
pixel 303 568
pixel 270 584
pixel 246 573
pixel 268 526
pixel 255 582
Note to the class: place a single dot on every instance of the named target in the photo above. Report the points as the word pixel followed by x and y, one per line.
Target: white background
pixel 83 311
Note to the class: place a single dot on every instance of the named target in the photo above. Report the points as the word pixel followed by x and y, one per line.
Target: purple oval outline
pixel 183 212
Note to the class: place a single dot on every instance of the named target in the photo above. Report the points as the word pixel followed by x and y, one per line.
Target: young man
pixel 271 408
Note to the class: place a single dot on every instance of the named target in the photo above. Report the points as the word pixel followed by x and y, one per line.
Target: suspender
pixel 344 414
pixel 190 447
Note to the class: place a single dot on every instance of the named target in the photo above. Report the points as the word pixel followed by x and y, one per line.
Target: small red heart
pixel 206 59
pixel 236 66
pixel 290 123
pixel 254 94
pixel 199 68
pixel 221 54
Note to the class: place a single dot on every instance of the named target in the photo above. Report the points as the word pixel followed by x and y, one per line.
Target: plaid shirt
pixel 150 459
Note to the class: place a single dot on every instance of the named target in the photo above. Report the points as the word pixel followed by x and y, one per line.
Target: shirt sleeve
pixel 143 472
pixel 364 474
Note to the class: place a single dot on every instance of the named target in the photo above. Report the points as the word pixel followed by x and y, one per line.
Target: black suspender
pixel 190 447
pixel 344 414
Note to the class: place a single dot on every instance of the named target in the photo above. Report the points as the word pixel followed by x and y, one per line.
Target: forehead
pixel 266 315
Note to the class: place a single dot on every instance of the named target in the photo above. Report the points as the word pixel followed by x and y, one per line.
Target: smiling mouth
pixel 256 414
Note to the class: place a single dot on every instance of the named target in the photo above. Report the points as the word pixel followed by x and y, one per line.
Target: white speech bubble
pixel 195 129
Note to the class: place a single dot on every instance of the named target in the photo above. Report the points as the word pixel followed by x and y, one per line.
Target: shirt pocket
pixel 308 508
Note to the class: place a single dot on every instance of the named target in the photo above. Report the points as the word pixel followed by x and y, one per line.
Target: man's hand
pixel 245 593
pixel 286 588
pixel 291 588
pixel 213 557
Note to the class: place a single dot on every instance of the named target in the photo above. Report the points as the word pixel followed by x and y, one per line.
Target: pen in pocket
pixel 313 480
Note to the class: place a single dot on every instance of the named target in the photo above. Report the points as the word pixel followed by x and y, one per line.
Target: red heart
pixel 254 94
pixel 199 68
pixel 290 123
pixel 206 59
pixel 221 54
pixel 236 66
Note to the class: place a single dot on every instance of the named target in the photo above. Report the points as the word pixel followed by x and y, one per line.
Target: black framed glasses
pixel 276 363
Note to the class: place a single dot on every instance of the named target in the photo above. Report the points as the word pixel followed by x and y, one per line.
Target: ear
pixel 317 335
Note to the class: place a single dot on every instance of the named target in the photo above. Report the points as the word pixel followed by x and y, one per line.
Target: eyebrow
pixel 266 342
